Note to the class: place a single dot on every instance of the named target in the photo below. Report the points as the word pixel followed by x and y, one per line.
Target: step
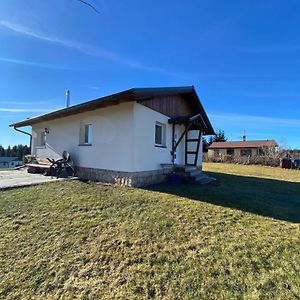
pixel 205 179
pixel 195 173
pixel 191 168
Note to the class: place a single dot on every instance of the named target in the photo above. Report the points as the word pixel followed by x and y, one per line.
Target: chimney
pixel 67 98
pixel 244 136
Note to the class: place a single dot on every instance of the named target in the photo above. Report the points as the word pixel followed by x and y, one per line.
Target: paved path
pixel 18 178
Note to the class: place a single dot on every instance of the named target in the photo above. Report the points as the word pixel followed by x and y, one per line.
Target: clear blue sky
pixel 242 56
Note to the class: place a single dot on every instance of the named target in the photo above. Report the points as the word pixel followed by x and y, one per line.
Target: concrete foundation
pixel 136 179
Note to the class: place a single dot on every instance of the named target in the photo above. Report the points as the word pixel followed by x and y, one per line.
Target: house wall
pixel 237 152
pixel 11 164
pixel 4 165
pixel 123 140
pixel 112 138
pixel 15 163
pixel 146 155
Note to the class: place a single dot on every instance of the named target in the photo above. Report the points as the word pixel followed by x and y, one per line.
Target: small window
pixel 246 152
pixel 160 134
pixel 217 152
pixel 230 151
pixel 86 134
pixel 42 138
pixel 260 152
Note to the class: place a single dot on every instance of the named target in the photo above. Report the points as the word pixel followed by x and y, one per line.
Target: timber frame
pixel 190 123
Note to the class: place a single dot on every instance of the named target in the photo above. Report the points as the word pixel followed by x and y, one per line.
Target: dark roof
pixel 7 159
pixel 134 94
pixel 242 144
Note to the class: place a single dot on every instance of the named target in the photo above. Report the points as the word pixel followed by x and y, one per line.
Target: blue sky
pixel 242 56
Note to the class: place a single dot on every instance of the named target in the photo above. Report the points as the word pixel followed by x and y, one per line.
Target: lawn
pixel 238 239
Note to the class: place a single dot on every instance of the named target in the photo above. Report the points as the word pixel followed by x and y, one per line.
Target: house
pixel 127 137
pixel 241 148
pixel 10 162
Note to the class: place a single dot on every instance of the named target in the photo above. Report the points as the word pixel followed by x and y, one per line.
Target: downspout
pixel 27 133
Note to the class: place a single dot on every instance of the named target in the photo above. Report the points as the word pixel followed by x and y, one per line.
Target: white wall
pixel 146 155
pixel 123 139
pixel 112 141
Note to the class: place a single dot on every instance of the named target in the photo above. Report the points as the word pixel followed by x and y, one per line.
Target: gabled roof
pixel 243 144
pixel 134 94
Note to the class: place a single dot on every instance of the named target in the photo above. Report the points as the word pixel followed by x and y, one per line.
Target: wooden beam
pixel 197 149
pixel 182 136
pixel 173 143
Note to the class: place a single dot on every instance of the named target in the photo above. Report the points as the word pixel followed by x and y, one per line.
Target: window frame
pixel 247 152
pixel 42 139
pixel 86 134
pixel 163 142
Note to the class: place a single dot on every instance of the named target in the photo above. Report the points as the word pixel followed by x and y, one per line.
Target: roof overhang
pixel 134 94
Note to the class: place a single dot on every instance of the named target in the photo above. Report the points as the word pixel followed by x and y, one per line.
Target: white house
pixel 126 137
pixel 10 162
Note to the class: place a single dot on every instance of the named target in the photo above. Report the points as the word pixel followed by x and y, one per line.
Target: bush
pixel 265 160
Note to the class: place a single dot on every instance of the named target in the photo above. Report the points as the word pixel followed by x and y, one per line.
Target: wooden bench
pixel 40 165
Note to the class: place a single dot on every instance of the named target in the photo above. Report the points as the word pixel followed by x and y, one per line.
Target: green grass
pixel 239 239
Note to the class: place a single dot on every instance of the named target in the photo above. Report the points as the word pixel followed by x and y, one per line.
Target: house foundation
pixel 136 179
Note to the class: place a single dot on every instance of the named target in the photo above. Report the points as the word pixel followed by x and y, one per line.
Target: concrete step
pixel 191 168
pixel 205 179
pixel 195 173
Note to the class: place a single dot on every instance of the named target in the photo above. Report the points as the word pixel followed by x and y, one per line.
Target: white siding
pixel 123 139
pixel 146 156
pixel 112 138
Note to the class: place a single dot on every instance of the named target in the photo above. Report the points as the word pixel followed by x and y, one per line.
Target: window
pixel 260 152
pixel 160 134
pixel 246 152
pixel 86 134
pixel 42 138
pixel 217 152
pixel 230 151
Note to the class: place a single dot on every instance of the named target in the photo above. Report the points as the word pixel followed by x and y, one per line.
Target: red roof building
pixel 241 148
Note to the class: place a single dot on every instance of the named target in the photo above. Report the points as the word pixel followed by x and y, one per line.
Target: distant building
pixel 242 148
pixel 10 162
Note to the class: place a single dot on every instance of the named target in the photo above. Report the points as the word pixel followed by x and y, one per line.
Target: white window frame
pixel 163 135
pixel 86 134
pixel 42 139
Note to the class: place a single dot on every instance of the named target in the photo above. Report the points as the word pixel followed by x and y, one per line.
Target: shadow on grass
pixel 266 197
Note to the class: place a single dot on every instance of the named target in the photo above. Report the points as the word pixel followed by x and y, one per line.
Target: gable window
pixel 86 134
pixel 160 134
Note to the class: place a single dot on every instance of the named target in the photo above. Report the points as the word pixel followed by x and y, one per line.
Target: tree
pixel 2 151
pixel 219 137
pixel 16 151
pixel 204 144
pixel 8 151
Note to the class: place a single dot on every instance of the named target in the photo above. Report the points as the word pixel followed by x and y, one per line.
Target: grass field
pixel 239 239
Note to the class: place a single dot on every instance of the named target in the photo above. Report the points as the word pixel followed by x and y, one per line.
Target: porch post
pixel 173 143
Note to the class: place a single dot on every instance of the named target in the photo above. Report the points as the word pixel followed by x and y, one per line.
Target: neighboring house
pixel 10 162
pixel 242 148
pixel 126 137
